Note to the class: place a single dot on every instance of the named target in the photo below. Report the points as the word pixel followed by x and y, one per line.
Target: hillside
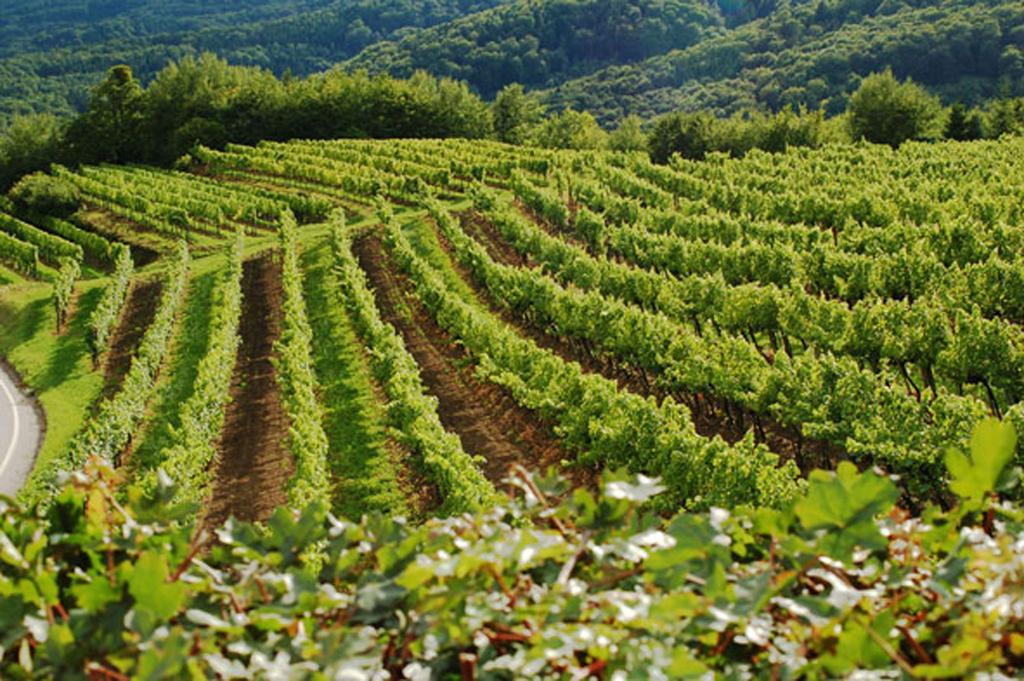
pixel 544 43
pixel 965 51
pixel 51 55
pixel 611 58
pixel 763 361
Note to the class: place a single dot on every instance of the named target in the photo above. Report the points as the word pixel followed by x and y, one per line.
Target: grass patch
pixel 423 237
pixel 9 277
pixel 57 369
pixel 190 342
pixel 361 461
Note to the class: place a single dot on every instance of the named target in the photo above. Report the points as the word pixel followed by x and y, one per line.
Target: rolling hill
pixel 51 55
pixel 808 56
pixel 610 58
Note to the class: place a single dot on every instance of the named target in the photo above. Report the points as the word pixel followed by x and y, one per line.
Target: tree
pixel 885 111
pixel 571 130
pixel 45 195
pixel 109 129
pixel 963 125
pixel 30 143
pixel 689 134
pixel 515 114
pixel 629 136
pixel 1005 117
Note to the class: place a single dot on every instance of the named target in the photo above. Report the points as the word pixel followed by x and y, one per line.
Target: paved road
pixel 19 435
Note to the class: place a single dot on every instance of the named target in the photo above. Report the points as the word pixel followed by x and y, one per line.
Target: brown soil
pixel 484 416
pixel 120 229
pixel 711 416
pixel 252 470
pixel 140 309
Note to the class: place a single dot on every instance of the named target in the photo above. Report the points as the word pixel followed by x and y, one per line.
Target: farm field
pixel 727 325
pixel 420 329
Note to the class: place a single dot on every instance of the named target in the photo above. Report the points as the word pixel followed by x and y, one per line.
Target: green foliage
pixel 39 71
pixel 843 506
pixel 698 134
pixel 109 128
pixel 975 476
pixel 116 420
pixel 106 314
pixel 188 460
pixel 51 247
pixel 690 135
pixel 206 101
pixel 64 288
pixel 299 388
pixel 412 412
pixel 22 256
pixel 45 195
pixel 628 136
pixel 536 43
pixel 571 130
pixel 532 588
pixel 515 114
pixel 963 125
pixel 29 143
pixel 603 424
pixel 886 111
pixel 1005 117
pixel 814 54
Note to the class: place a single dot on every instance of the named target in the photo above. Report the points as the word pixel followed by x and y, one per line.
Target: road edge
pixel 27 391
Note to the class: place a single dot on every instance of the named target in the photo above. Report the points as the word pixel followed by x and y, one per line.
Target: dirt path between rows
pixel 252 470
pixel 140 309
pixel 120 229
pixel 484 416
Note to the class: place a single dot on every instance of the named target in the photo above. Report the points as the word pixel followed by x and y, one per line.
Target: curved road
pixel 19 434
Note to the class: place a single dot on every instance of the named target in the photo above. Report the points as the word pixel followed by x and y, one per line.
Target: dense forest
pixel 645 57
pixel 815 54
pixel 560 74
pixel 544 43
pixel 51 54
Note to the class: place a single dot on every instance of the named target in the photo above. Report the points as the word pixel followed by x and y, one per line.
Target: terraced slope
pixel 451 313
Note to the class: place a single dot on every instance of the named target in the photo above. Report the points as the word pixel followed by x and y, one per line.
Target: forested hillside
pixel 610 58
pixel 816 54
pixel 543 43
pixel 52 54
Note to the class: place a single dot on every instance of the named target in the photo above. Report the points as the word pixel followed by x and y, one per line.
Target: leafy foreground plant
pixel 841 581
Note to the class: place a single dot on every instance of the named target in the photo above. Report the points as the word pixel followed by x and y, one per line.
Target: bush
pixel 885 111
pixel 45 195
pixel 842 584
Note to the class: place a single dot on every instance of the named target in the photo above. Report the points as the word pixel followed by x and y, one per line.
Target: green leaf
pixel 415 575
pixel 844 505
pixel 150 589
pixel 857 649
pixel 685 665
pixel 95 595
pixel 973 477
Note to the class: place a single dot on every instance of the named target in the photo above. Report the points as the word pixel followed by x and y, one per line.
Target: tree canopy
pixel 886 111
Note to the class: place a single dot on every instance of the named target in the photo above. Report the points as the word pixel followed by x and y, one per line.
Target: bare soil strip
pixel 252 470
pixel 117 228
pixel 711 416
pixel 485 417
pixel 140 309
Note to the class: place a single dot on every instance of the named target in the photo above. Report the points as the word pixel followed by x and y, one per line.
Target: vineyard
pixel 429 329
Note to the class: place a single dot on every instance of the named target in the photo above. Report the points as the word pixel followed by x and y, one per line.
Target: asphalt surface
pixel 19 435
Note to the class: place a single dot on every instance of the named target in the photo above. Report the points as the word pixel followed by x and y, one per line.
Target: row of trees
pixel 207 101
pixel 883 110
